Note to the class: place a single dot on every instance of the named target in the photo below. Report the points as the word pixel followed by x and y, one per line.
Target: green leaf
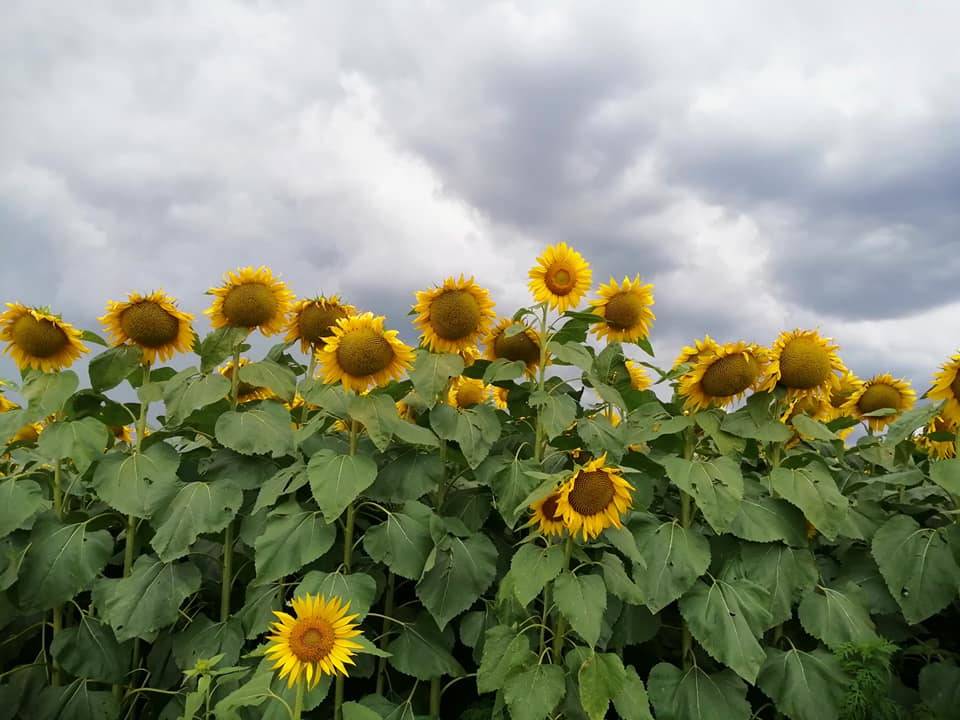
pixel 358 589
pixel 477 429
pixel 675 558
pixel 47 392
pixel 693 695
pixel 945 473
pixel 76 702
pixel 787 573
pixel 148 600
pixel 534 693
pixel 572 353
pixel 431 373
pixel 763 518
pixel 501 370
pixel 20 500
pixel 804 685
pixel 259 429
pixel 63 559
pixel 220 345
pixel 402 543
pixel 618 582
pixel 90 651
pixel 422 650
pixel 138 483
pixel 338 480
pixel 744 423
pixel 532 567
pixel 291 538
pixel 285 481
pixel 409 476
pixel 813 490
pixel 582 600
pixel 600 436
pixel 457 571
pixel 716 485
pixel 204 638
pixel 717 616
pixel 557 412
pixel 903 427
pixel 195 509
pixel 918 566
pixel 836 618
pixel 510 484
pixel 110 368
pixel 631 702
pixel 504 651
pixel 244 472
pixel 808 427
pixel 378 414
pixel 82 441
pixel 940 689
pixel 601 678
pixel 273 376
pixel 355 711
pixel 188 391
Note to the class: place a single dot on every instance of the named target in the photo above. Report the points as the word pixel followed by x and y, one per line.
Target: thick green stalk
pixel 130 542
pixel 541 377
pixel 545 615
pixel 435 698
pixel 298 700
pixel 560 628
pixel 57 609
pixel 338 693
pixel 388 606
pixel 686 520
pixel 228 539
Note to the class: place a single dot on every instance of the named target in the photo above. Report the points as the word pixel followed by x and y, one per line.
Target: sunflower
pixel 311 321
pixel 500 395
pixel 805 364
pixel 151 322
pixel 470 355
pixel 28 433
pixel 7 405
pixel 360 353
pixel 939 449
pixel 813 407
pixel 523 345
pixel 639 379
pixel 722 375
pixel 250 298
pixel 453 316
pixel 625 309
pixel 122 434
pixel 314 643
pixel 561 278
pixel 466 392
pixel 38 339
pixel 406 411
pixel 594 499
pixel 545 515
pixel 691 353
pixel 245 391
pixel 946 386
pixel 879 393
pixel 847 385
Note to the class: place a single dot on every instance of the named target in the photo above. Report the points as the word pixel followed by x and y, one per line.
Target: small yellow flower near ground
pixel 805 364
pixel 594 499
pixel 361 353
pixel 250 298
pixel 36 338
pixel 560 278
pixel 523 345
pixel 879 393
pixel 722 375
pixel 454 316
pixel 625 309
pixel 546 516
pixel 152 322
pixel 946 386
pixel 312 321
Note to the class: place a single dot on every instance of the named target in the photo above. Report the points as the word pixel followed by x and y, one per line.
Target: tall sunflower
pixel 360 353
pixel 545 516
pixel 804 363
pixel 625 309
pixel 523 345
pixel 722 375
pixel 466 392
pixel 245 391
pixel 312 321
pixel 639 379
pixel 561 277
pixel 946 386
pixel 939 449
pixel 453 316
pixel 880 392
pixel 250 298
pixel 691 353
pixel 36 338
pixel 315 642
pixel 152 322
pixel 594 499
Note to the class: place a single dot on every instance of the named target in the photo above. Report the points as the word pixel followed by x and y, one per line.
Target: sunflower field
pixel 504 522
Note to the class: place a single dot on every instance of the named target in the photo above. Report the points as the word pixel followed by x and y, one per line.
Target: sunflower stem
pixel 541 378
pixel 298 700
pixel 544 615
pixel 228 541
pixel 57 609
pixel 347 563
pixel 387 614
pixel 130 541
pixel 435 689
pixel 686 520
pixel 560 629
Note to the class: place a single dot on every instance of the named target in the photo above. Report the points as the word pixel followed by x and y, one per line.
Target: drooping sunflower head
pixel 940 449
pixel 315 641
pixel 813 407
pixel 847 385
pixel 639 378
pixel 594 499
pixel 361 353
pixel 453 316
pixel 560 278
pixel 625 309
pixel 946 386
pixel 466 392
pixel 881 392
pixel 312 321
pixel 152 322
pixel 804 363
pixel 546 516
pixel 245 391
pixel 250 298
pixel 691 353
pixel 36 338
pixel 513 341
pixel 722 375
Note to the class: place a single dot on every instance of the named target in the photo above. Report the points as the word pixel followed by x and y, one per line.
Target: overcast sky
pixel 766 165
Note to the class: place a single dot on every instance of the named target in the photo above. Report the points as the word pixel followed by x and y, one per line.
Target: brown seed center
pixel 455 314
pixel 955 385
pixel 804 364
pixel 560 280
pixel 38 338
pixel 549 507
pixel 315 322
pixel 623 311
pixel 249 305
pixel 516 347
pixel 149 325
pixel 312 640
pixel 364 352
pixel 591 493
pixel 879 397
pixel 730 375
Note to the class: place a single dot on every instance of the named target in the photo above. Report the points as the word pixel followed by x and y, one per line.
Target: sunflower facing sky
pixel 250 298
pixel 946 386
pixel 36 338
pixel 316 641
pixel 453 316
pixel 721 375
pixel 594 499
pixel 545 516
pixel 560 278
pixel 625 309
pixel 804 363
pixel 360 353
pixel 152 322
pixel 523 345
pixel 880 392
pixel 690 353
pixel 311 321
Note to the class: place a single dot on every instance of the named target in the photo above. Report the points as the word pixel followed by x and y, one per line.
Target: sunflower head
pixel 312 321
pixel 122 434
pixel 360 353
pixel 250 298
pixel 7 405
pixel 639 379
pixel 625 309
pixel 500 395
pixel 881 392
pixel 510 345
pixel 315 641
pixel 691 353
pixel 152 322
pixel 804 363
pixel 27 433
pixel 546 516
pixel 39 339
pixel 466 392
pixel 946 387
pixel 594 499
pixel 453 316
pixel 560 278
pixel 813 407
pixel 245 391
pixel 722 375
pixel 940 449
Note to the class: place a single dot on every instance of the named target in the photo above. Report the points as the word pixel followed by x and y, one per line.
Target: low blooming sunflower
pixel 152 322
pixel 594 499
pixel 639 379
pixel 691 353
pixel 804 363
pixel 36 338
pixel 312 321
pixel 360 353
pixel 454 316
pixel 722 375
pixel 847 385
pixel 625 309
pixel 946 386
pixel 250 298
pixel 500 396
pixel 879 393
pixel 939 449
pixel 546 517
pixel 560 278
pixel 523 345
pixel 466 392
pixel 122 434
pixel 245 391
pixel 315 642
